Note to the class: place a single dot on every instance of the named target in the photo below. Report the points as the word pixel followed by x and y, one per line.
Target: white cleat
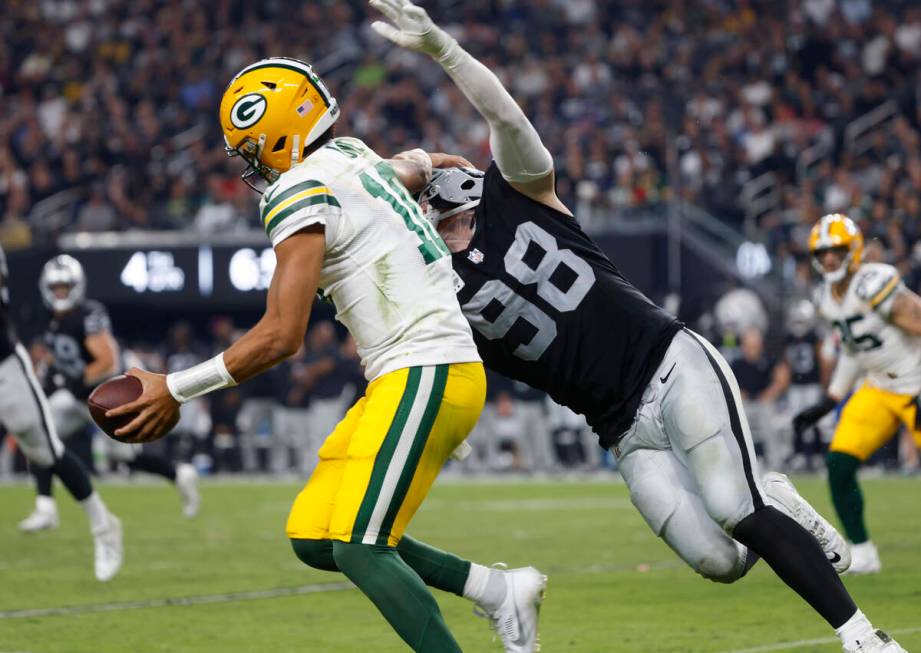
pixel 43 518
pixel 879 642
pixel 109 553
pixel 515 621
pixel 187 484
pixel 783 496
pixel 865 559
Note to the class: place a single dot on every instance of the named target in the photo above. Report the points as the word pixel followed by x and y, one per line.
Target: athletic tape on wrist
pixel 199 380
pixel 421 157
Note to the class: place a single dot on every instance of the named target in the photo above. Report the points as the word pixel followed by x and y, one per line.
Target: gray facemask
pixel 452 191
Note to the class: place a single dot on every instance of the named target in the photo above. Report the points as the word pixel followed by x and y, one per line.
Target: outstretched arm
pixel 414 167
pixel 274 338
pixel 519 153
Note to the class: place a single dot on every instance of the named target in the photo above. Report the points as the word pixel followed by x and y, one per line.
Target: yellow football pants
pixel 870 417
pixel 379 463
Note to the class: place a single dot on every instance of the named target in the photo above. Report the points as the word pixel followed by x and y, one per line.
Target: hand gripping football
pixel 115 392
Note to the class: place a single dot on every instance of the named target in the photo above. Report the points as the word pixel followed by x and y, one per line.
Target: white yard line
pixel 280 592
pixel 531 505
pixel 230 597
pixel 790 646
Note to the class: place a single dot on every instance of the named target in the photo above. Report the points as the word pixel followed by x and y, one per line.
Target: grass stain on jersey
pixel 385 277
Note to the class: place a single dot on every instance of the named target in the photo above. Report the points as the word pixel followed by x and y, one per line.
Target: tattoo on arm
pixel 906 312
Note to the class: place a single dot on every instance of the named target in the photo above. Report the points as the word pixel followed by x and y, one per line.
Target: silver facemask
pixel 451 191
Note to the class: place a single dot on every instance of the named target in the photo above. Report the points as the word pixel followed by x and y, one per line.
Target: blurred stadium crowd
pixel 765 113
pixel 110 106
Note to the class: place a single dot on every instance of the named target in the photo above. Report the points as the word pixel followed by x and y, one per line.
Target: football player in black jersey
pixel 84 353
pixel 806 368
pixel 25 411
pixel 550 309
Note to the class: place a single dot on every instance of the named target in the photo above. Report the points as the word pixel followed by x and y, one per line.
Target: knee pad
pixel 723 564
pixel 315 553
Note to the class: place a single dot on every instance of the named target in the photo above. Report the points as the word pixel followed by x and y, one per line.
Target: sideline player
pixel 85 353
pixel 807 369
pixel 879 321
pixel 551 310
pixel 342 224
pixel 25 412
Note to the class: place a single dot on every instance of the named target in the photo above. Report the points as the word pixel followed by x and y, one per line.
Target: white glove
pixel 414 29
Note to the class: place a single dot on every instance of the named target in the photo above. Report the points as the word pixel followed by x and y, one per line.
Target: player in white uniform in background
pixel 879 322
pixel 343 225
pixel 24 410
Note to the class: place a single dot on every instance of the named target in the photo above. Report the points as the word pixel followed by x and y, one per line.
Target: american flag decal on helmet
pixel 305 108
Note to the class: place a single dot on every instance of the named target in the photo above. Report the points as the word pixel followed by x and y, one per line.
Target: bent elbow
pixel 285 346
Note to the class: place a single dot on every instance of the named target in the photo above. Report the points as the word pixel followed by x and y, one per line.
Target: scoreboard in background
pixel 161 269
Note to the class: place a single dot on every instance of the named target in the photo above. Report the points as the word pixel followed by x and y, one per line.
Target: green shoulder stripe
pixel 329 200
pixel 278 197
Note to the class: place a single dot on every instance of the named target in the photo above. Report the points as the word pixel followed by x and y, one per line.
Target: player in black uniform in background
pixel 550 309
pixel 84 353
pixel 25 412
pixel 806 370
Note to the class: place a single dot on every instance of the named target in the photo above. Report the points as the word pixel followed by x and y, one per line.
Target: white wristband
pixel 199 380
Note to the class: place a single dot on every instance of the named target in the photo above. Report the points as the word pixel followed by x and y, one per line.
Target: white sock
pixel 855 630
pixel 45 504
pixel 96 511
pixel 485 586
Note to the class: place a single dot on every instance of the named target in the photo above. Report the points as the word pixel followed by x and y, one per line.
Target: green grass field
pixel 228 582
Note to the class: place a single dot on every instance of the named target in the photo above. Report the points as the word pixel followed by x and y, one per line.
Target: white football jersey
pixel 890 357
pixel 386 269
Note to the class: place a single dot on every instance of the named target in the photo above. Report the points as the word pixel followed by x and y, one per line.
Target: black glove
pixel 808 417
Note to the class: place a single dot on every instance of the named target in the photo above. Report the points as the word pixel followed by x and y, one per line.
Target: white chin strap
pixel 837 275
pixel 435 216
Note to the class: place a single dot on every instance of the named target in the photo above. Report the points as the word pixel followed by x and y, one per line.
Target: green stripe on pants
pixel 385 455
pixel 415 452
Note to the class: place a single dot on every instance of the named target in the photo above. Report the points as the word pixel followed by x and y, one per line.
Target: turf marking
pixel 789 646
pixel 278 592
pixel 536 505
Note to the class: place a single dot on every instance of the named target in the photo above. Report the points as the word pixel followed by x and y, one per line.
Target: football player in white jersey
pixel 344 226
pixel 879 322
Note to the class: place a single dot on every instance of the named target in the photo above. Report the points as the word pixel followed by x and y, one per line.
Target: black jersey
pixel 65 337
pixel 8 337
pixel 801 356
pixel 550 309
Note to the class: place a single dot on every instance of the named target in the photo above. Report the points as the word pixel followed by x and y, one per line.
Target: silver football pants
pixel 688 458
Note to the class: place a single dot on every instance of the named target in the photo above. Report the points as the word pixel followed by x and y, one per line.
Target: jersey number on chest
pixel 388 188
pixel 864 342
pixel 562 279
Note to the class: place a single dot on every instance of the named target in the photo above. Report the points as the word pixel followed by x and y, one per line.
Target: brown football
pixel 116 391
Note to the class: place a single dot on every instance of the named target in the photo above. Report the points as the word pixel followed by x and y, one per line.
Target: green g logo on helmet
pixel 248 110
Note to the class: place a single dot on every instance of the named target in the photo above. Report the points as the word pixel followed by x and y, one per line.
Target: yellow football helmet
pixel 271 111
pixel 833 231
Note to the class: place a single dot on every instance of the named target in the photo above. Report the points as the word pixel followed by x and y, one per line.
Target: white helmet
pixel 451 191
pixel 62 270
